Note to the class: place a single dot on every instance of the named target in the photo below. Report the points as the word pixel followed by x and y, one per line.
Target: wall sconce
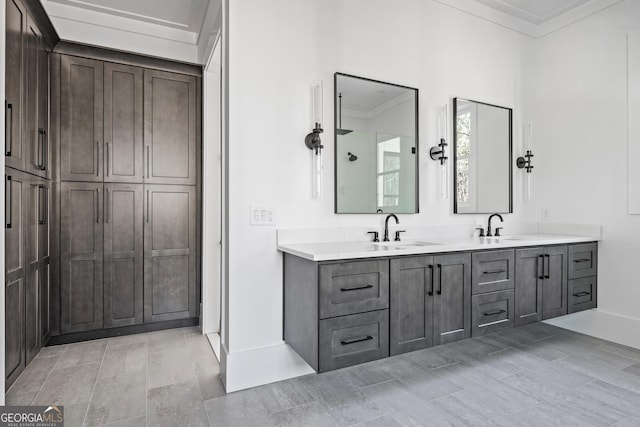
pixel 438 152
pixel 524 162
pixel 312 140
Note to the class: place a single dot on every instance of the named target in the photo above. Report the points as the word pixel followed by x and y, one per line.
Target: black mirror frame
pixel 335 144
pixel 455 157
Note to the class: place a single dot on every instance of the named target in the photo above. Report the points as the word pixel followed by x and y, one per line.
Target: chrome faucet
pixel 489 225
pixel 386 226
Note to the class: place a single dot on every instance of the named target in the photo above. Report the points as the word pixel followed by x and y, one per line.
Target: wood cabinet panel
pixel 81 257
pixel 81 120
pixel 170 128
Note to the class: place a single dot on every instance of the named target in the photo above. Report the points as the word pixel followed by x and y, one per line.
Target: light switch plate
pixel 262 215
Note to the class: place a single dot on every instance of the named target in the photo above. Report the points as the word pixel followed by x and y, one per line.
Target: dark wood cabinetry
pixel 81 114
pixel 16 33
pixel 123 255
pixel 170 129
pixel 81 256
pixel 170 251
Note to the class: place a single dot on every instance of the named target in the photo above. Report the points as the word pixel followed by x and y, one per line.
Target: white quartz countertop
pixel 328 251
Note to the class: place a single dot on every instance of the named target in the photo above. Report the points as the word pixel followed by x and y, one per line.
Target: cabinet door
pixel 170 130
pixel 80 119
pixel 45 303
pixel 16 22
pixel 411 304
pixel 123 123
pixel 554 288
pixel 81 248
pixel 35 218
pixel 43 109
pixel 123 255
pixel 452 313
pixel 15 235
pixel 529 278
pixel 170 252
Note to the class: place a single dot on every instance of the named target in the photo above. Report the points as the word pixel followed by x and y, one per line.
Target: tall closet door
pixel 123 255
pixel 15 269
pixel 35 133
pixel 170 128
pixel 170 252
pixel 16 22
pixel 123 123
pixel 81 256
pixel 81 119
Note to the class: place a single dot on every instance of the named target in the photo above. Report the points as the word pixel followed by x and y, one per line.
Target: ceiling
pixel 183 30
pixel 183 14
pixel 535 18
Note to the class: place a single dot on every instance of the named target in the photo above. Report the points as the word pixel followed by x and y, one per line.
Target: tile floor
pixel 537 375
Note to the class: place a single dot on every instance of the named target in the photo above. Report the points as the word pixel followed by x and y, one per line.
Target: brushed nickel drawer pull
pixel 493 313
pixel 355 340
pixel 494 271
pixel 581 294
pixel 356 288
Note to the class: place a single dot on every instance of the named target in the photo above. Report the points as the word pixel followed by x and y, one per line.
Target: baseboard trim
pixel 125 330
pixel 266 365
pixel 602 324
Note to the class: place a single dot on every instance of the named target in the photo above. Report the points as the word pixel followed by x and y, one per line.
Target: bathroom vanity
pixel 351 302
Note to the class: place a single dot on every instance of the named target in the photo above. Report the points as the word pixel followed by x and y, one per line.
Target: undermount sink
pixel 404 244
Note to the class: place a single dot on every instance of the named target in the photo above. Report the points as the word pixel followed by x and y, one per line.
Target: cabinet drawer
pixel 583 294
pixel 353 287
pixel 349 340
pixel 491 312
pixel 583 260
pixel 492 271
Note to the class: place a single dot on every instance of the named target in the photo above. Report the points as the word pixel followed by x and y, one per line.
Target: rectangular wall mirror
pixel 376 141
pixel 482 163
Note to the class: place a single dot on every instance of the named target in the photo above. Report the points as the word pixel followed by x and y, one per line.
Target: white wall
pixel 577 102
pixel 426 45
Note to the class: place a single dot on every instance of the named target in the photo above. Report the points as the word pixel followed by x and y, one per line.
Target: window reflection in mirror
pixel 482 157
pixel 376 146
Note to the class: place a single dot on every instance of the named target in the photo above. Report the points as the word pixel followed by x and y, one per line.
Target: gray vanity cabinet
pixel 430 301
pixel 81 256
pixel 541 283
pixel 123 254
pixel 583 280
pixel 170 127
pixel 81 115
pixel 170 252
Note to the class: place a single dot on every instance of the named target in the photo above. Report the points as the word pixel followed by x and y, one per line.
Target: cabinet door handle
pixel 41 204
pixel 148 202
pixel 356 288
pixel 548 257
pixel 355 340
pixel 540 265
pixel 41 150
pixel 581 294
pixel 108 160
pixel 46 205
pixel 431 269
pixel 107 215
pixel 45 150
pixel 8 203
pixel 494 271
pixel 97 158
pixel 98 205
pixel 8 131
pixel 439 279
pixel 494 312
pixel 582 260
pixel 148 164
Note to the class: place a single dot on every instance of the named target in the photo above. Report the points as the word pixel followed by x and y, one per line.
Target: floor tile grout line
pixel 50 373
pixel 94 386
